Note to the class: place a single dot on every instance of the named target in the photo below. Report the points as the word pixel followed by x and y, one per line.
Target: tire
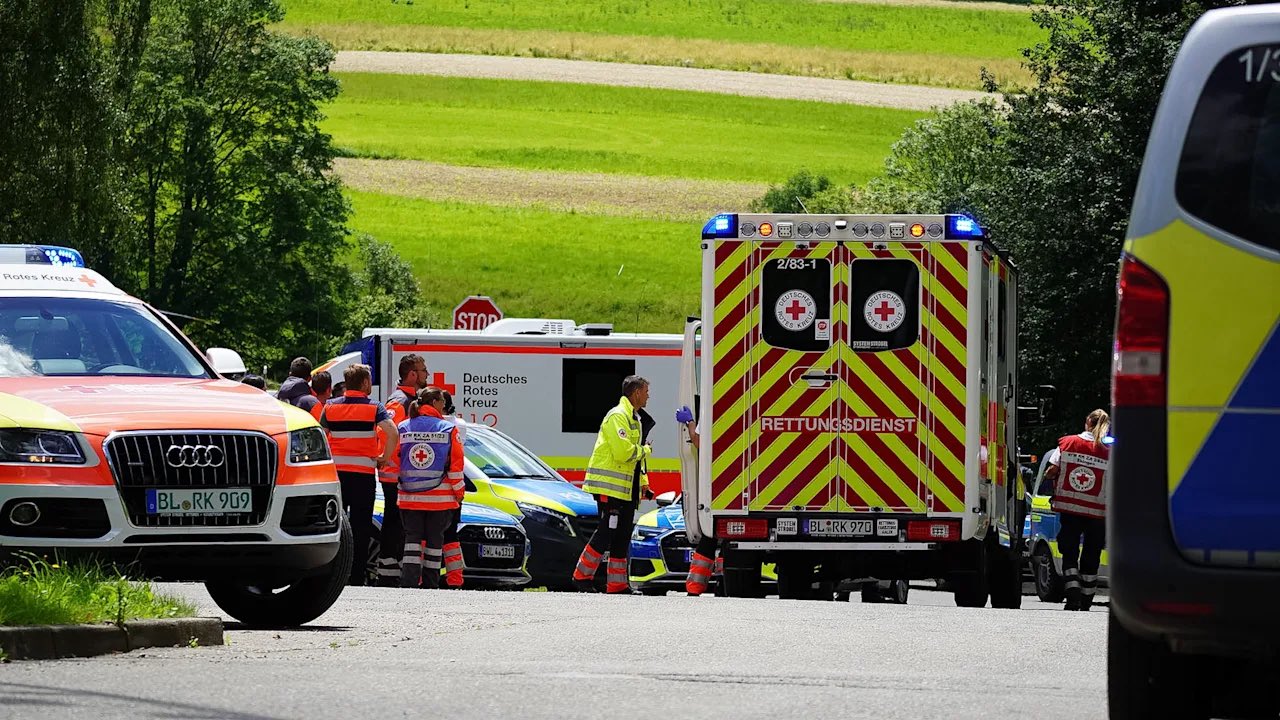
pixel 653 591
pixel 742 582
pixel 968 580
pixel 1049 586
pixel 1004 575
pixel 292 605
pixel 871 593
pixel 1146 680
pixel 795 577
pixel 897 592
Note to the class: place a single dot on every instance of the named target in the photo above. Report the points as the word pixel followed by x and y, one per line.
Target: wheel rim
pixel 1044 572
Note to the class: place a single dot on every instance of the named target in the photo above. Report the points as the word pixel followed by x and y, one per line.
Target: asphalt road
pixel 397 653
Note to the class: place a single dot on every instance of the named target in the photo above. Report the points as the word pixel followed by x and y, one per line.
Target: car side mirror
pixel 1037 407
pixel 666 498
pixel 226 362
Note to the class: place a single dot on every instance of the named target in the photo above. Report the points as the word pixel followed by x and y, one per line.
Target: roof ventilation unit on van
pixel 530 326
pixel 596 329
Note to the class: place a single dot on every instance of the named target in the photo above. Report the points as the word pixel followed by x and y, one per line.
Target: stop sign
pixel 475 313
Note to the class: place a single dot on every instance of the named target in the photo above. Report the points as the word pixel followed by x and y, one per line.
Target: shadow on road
pixel 231 625
pixel 13 695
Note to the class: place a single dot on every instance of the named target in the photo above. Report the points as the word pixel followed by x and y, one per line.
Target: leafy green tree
pixel 388 291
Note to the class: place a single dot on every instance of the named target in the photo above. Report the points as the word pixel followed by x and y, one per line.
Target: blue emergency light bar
pixel 721 226
pixel 963 227
pixel 40 255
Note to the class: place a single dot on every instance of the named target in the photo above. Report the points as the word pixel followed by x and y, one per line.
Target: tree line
pixel 176 144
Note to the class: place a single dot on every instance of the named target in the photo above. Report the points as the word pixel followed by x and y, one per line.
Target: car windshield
pixel 78 337
pixel 500 458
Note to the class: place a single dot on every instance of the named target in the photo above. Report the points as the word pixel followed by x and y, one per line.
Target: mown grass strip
pixel 36 592
pixel 916 68
pixel 588 128
pixel 640 275
pixel 957 31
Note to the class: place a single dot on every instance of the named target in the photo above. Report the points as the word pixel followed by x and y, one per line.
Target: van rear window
pixel 1229 172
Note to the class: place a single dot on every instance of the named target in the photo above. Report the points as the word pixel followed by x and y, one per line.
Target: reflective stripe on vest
pixel 353 435
pixel 605 475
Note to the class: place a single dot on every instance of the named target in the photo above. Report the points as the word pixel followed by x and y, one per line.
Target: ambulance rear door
pixel 794 403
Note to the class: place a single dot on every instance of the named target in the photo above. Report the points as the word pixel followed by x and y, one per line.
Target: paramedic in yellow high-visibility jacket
pixel 616 475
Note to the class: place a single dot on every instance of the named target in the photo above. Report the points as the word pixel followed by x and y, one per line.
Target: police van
pixel 854 377
pixel 546 382
pixel 120 439
pixel 1194 499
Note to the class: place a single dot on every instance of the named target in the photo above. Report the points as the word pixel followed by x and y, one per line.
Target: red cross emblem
pixel 437 379
pixel 87 280
pixel 420 455
pixel 884 311
pixel 796 310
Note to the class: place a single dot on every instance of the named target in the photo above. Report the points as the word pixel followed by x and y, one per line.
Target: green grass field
pixel 945 46
pixel 591 128
pixel 959 32
pixel 640 275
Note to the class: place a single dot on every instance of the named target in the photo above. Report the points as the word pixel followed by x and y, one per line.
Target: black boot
pixel 1085 602
pixel 1073 599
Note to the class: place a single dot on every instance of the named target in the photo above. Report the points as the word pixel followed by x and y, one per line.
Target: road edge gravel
pixel 50 642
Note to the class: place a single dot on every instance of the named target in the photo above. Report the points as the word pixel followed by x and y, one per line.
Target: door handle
pixel 819 379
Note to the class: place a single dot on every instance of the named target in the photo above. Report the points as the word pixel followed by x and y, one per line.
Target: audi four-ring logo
pixel 493 533
pixel 193 456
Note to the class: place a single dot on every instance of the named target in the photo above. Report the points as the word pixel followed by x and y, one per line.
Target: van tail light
pixel 742 528
pixel 933 531
pixel 1140 358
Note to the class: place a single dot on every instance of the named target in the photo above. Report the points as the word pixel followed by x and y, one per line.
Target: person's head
pixel 322 384
pixel 413 371
pixel 300 368
pixel 256 381
pixel 339 388
pixel 636 389
pixel 449 409
pixel 358 378
pixel 430 396
pixel 1099 423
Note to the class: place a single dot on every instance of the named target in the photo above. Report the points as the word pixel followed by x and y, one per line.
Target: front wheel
pixel 264 606
pixel 1004 575
pixel 1049 586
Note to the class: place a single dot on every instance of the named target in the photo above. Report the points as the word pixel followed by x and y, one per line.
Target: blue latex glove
pixel 684 415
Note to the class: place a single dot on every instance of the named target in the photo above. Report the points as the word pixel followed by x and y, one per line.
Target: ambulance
pixel 546 382
pixel 854 381
pixel 119 439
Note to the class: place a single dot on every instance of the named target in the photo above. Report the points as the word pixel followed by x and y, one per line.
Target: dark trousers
pixel 424 539
pixel 707 546
pixel 613 534
pixel 1080 566
pixel 357 497
pixel 392 537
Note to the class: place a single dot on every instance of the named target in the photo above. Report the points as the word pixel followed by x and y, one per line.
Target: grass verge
pixel 641 275
pixel 37 592
pixel 593 128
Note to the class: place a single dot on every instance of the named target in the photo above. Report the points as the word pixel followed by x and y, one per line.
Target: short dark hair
pixel 255 380
pixel 300 368
pixel 356 376
pixel 448 403
pixel 321 381
pixel 408 362
pixel 339 387
pixel 632 383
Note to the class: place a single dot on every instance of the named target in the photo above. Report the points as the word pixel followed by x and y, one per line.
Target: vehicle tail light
pixel 933 530
pixel 1180 609
pixel 742 528
pixel 1142 337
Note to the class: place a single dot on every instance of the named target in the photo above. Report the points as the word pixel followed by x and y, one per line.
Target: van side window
pixel 1229 171
pixel 590 387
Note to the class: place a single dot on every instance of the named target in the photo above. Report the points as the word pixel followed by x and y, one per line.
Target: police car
pixel 495 547
pixel 119 438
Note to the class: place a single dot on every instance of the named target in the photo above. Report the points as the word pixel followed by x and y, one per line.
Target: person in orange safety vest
pixel 352 422
pixel 431 488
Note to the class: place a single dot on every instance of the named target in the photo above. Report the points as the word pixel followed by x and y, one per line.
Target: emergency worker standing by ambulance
pixel 353 421
pixel 413 377
pixel 615 474
pixel 1078 467
pixel 431 486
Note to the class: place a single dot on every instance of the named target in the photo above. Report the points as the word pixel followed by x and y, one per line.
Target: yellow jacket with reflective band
pixel 618 450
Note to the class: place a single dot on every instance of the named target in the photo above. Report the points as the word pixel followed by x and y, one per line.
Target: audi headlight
pixel 647 532
pixel 308 445
pixel 547 516
pixel 40 446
